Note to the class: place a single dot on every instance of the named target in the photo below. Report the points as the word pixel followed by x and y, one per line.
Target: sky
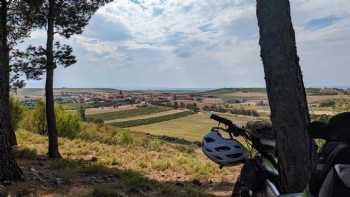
pixel 150 44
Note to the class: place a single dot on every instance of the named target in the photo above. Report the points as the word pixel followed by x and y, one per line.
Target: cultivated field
pixel 147 121
pixel 191 128
pixel 147 116
pixel 127 113
pixel 91 111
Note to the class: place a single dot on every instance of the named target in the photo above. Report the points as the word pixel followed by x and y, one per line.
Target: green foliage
pixel 246 112
pixel 68 123
pixel 329 103
pixel 39 118
pixel 128 113
pixel 123 138
pixel 133 123
pixel 17 112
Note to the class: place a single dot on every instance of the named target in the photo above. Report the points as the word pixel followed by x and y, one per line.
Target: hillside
pixel 134 164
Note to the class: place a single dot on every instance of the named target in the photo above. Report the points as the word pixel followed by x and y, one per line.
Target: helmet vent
pixel 233 156
pixel 238 147
pixel 222 148
pixel 208 139
pixel 208 150
pixel 218 158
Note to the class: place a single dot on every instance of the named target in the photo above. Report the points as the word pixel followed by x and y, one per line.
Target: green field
pixel 128 113
pixel 138 122
pixel 191 128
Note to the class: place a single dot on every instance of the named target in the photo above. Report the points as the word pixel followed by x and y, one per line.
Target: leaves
pixel 32 62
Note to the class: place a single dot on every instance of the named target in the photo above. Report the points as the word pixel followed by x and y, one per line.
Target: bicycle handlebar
pixel 221 120
pixel 232 128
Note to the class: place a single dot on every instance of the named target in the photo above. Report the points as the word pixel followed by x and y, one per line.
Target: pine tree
pixel 286 92
pixel 65 18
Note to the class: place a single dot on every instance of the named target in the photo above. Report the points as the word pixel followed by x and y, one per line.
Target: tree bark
pixel 50 103
pixel 9 169
pixel 286 93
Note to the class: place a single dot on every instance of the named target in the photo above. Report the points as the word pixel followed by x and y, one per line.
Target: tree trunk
pixel 50 103
pixel 286 93
pixel 9 169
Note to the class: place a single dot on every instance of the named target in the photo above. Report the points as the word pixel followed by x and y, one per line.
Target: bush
pixel 246 112
pixel 329 103
pixel 68 123
pixel 123 138
pixel 16 111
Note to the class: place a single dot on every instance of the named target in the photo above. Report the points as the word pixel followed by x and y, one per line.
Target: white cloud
pixel 202 43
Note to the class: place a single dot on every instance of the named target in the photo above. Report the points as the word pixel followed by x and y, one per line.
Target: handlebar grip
pixel 221 120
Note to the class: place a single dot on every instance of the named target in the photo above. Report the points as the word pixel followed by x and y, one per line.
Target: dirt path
pixel 147 116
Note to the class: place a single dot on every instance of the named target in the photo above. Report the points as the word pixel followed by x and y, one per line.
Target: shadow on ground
pixel 74 178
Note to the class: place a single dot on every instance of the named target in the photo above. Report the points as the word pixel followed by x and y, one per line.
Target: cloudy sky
pixel 200 44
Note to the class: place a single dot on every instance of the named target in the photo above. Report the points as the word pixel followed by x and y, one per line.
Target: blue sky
pixel 135 44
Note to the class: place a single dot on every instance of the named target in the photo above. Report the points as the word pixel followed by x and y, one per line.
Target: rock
pixel 196 182
pixel 33 170
pixel 179 184
pixel 3 191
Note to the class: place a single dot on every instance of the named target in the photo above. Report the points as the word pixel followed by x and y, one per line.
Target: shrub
pixel 16 111
pixel 329 103
pixel 246 112
pixel 123 138
pixel 68 123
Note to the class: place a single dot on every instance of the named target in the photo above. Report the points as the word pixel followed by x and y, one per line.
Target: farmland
pixel 128 113
pixel 191 128
pixel 151 120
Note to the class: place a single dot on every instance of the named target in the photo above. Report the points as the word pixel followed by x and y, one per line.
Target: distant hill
pixel 310 91
pixel 223 91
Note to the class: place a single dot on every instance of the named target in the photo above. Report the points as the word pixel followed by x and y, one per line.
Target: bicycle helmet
pixel 222 151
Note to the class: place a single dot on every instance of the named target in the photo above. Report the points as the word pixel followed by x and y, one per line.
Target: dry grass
pixel 156 163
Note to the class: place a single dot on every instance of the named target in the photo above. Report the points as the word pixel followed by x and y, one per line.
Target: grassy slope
pixel 128 113
pixel 190 128
pixel 146 166
pixel 152 120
